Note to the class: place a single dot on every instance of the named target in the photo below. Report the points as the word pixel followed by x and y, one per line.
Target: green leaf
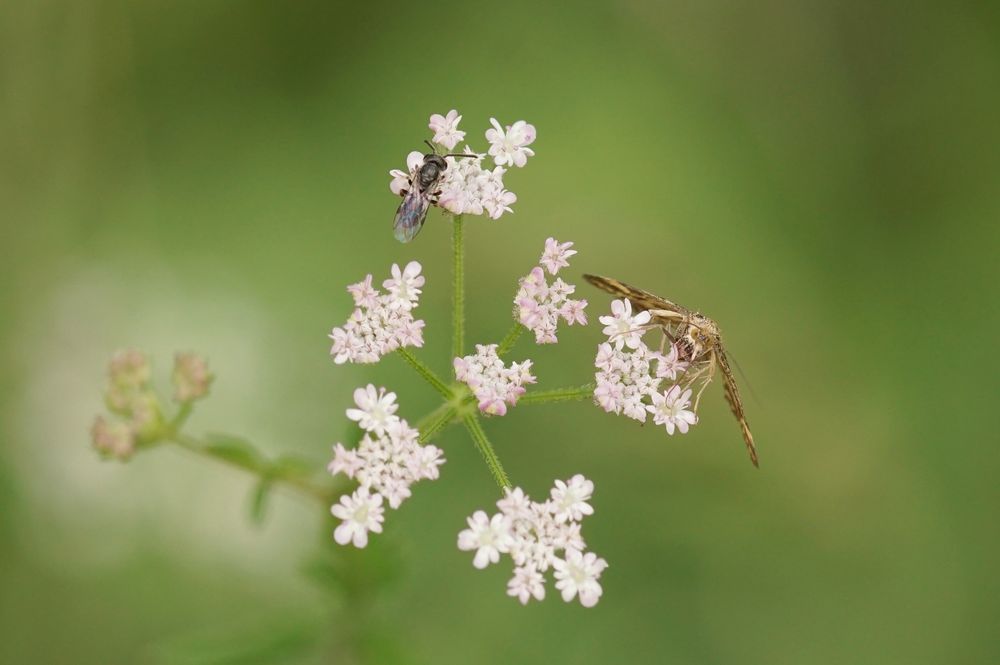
pixel 235 451
pixel 258 500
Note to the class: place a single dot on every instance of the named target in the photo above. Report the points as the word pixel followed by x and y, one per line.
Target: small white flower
pixel 515 504
pixel 445 128
pixel 361 512
pixel 401 179
pixel 527 583
pixel 509 146
pixel 489 537
pixel 670 409
pixel 427 461
pixel 375 409
pixel 569 499
pixel 556 255
pixel 577 575
pixel 405 285
pixel 670 365
pixel 344 461
pixel 623 328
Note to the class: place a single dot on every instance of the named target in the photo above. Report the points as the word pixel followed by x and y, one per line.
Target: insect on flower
pixel 697 338
pixel 420 193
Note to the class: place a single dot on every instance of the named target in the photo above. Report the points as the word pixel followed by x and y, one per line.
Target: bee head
pixel 436 160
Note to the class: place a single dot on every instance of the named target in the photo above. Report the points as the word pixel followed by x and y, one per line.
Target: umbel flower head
pixel 136 412
pixel 629 373
pixel 387 461
pixel 540 305
pixel 380 322
pixel 495 386
pixel 467 187
pixel 539 536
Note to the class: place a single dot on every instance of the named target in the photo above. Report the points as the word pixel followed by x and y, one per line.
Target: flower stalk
pixel 510 339
pixel 559 395
pixel 475 429
pixel 458 288
pixel 426 373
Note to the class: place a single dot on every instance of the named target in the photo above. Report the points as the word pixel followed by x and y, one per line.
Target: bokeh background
pixel 821 177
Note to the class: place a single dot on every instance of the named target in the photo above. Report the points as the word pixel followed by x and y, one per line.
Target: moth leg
pixel 435 197
pixel 694 376
pixel 708 380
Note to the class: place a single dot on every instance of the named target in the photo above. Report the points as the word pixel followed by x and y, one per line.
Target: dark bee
pixel 420 194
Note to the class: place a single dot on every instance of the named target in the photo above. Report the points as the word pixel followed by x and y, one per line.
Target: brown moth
pixel 698 341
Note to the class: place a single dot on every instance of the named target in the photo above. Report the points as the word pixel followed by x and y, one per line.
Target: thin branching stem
pixel 426 373
pixel 510 339
pixel 443 416
pixel 558 395
pixel 251 461
pixel 486 450
pixel 458 292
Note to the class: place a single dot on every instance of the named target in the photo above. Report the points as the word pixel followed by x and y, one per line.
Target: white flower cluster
pixel 626 375
pixel 540 536
pixel 540 304
pixel 386 462
pixel 380 322
pixel 466 187
pixel 494 385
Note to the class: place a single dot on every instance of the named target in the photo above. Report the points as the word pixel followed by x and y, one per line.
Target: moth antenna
pixel 431 146
pixel 746 381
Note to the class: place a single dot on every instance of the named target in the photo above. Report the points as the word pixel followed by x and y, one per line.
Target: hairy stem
pixel 510 339
pixel 426 372
pixel 437 420
pixel 558 395
pixel 458 292
pixel 486 450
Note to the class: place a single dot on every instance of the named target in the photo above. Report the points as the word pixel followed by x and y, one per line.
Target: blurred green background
pixel 820 177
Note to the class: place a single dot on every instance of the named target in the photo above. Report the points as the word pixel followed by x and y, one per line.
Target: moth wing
pixel 410 215
pixel 641 300
pixel 735 403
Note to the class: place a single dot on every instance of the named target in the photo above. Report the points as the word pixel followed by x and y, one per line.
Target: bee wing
pixel 641 300
pixel 411 214
pixel 735 404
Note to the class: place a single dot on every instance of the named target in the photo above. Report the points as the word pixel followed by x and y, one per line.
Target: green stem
pixel 236 453
pixel 458 293
pixel 435 425
pixel 486 450
pixel 427 373
pixel 510 339
pixel 558 395
pixel 181 417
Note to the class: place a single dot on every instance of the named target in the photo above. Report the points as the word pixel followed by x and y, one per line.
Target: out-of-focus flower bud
pixel 128 375
pixel 191 377
pixel 113 439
